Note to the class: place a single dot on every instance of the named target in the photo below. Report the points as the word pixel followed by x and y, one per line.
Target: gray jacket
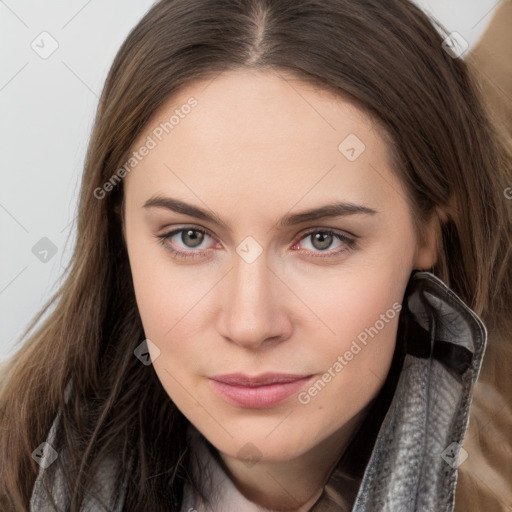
pixel 414 459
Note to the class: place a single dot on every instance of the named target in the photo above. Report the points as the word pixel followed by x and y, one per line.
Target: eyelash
pixel 350 243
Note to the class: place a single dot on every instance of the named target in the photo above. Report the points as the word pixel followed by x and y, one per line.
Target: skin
pixel 255 148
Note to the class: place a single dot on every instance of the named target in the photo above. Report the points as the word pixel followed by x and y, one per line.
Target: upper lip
pixel 265 379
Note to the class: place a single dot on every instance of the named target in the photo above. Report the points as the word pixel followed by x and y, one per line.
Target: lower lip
pixel 259 397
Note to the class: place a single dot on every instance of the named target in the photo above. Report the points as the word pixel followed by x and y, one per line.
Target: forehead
pixel 261 131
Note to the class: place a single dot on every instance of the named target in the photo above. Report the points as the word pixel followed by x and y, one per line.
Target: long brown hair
pixel 385 55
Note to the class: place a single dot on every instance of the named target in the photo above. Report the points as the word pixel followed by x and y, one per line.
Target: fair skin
pixel 254 149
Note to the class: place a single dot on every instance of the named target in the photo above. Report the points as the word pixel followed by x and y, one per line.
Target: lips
pixel 260 391
pixel 239 379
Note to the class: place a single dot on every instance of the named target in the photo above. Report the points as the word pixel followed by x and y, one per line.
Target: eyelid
pixel 190 227
pixel 323 229
pixel 296 238
pixel 348 239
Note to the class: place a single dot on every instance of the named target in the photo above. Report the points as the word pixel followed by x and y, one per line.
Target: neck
pixel 296 484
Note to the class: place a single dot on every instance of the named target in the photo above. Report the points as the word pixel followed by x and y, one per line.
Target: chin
pixel 264 447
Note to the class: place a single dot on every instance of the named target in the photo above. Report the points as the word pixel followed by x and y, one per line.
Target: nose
pixel 255 313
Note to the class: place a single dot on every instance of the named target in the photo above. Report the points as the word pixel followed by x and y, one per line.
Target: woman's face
pixel 270 287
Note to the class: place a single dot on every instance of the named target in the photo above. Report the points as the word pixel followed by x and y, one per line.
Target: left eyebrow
pixel 337 209
pixel 327 211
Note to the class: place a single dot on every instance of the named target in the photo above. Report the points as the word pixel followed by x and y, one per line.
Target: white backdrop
pixel 55 57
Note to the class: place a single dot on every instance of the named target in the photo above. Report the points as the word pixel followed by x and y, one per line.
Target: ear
pixel 429 244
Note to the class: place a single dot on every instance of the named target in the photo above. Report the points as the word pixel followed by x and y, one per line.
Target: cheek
pixel 164 293
pixel 353 365
pixel 364 299
pixel 362 314
pixel 170 321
